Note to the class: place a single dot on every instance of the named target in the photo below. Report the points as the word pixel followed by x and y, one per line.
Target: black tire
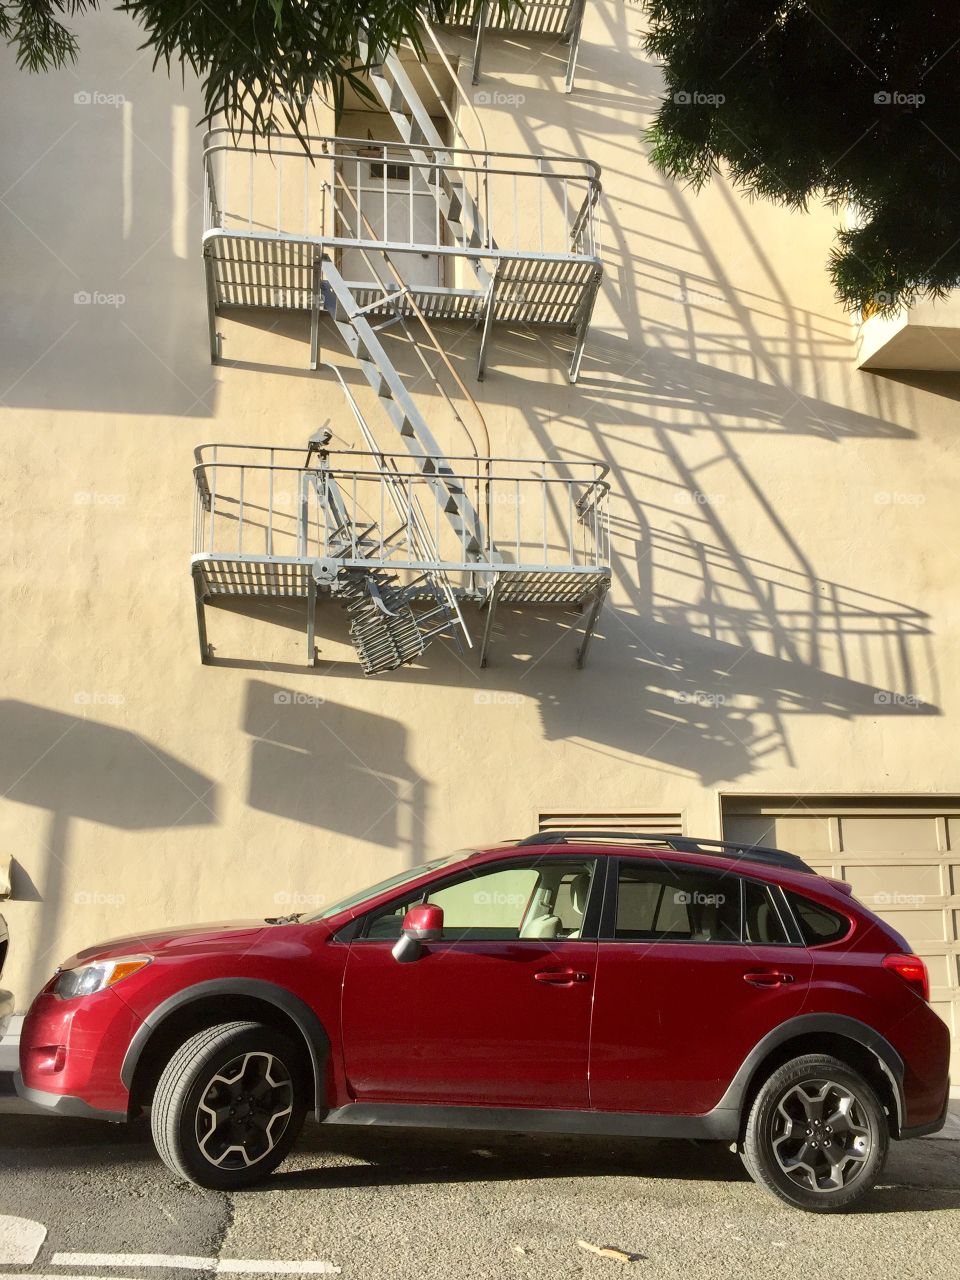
pixel 809 1162
pixel 229 1105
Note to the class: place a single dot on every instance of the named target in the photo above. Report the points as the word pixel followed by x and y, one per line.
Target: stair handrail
pixel 458 131
pixel 427 328
pixel 462 93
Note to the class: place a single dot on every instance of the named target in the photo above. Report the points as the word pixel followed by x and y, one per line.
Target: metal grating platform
pixel 372 533
pixel 236 576
pixel 274 222
pixel 559 20
pixel 568 589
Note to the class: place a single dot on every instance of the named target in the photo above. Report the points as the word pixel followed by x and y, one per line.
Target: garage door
pixel 902 857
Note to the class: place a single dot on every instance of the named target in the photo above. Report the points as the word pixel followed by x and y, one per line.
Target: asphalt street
pixel 411 1204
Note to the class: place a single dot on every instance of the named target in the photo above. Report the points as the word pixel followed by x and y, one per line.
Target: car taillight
pixel 912 970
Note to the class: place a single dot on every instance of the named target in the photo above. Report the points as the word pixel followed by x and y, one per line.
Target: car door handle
pixel 560 977
pixel 767 977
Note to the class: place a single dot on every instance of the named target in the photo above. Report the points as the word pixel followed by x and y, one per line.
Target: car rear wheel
pixel 816 1135
pixel 229 1105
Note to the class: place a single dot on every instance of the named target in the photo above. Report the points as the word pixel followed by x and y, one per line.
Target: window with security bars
pixel 399 172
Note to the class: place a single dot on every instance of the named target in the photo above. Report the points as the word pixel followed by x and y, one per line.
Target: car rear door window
pixel 761 920
pixel 660 902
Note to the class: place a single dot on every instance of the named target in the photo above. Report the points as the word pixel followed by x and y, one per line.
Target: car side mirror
pixel 422 923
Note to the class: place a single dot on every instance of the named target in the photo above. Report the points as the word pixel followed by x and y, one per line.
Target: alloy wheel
pixel 244 1111
pixel 821 1136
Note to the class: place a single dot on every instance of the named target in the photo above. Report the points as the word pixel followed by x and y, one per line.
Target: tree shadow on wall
pixel 77 768
pixel 332 766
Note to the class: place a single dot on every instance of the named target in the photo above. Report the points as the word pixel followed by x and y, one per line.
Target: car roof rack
pixel 736 851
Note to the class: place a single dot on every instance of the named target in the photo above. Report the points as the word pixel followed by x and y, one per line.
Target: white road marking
pixel 174 1262
pixel 269 1267
pixel 20 1240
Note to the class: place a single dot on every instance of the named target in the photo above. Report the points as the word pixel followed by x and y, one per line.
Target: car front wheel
pixel 229 1105
pixel 816 1135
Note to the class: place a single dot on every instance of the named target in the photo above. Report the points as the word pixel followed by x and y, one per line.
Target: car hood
pixel 224 935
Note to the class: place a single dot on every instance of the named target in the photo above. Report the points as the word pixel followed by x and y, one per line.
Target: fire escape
pixel 381 238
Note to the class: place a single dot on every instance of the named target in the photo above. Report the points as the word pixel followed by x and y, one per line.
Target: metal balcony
pixel 559 21
pixel 479 236
pixel 371 532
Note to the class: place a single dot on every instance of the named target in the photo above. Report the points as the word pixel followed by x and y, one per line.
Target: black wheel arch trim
pixel 888 1060
pixel 300 1013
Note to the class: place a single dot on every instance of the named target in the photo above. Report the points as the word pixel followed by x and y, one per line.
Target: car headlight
pixel 87 979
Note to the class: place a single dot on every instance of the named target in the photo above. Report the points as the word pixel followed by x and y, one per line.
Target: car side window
pixel 817 924
pixel 658 902
pixel 761 920
pixel 543 899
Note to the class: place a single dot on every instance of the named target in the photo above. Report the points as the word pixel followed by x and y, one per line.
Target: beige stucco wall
pixel 784 532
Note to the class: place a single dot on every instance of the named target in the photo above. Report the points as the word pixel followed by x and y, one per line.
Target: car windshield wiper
pixel 291 919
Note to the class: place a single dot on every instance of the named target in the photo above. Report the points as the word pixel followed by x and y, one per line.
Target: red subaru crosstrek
pixel 574 982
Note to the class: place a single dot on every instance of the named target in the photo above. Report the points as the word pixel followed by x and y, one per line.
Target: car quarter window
pixel 818 924
pixel 539 899
pixel 664 902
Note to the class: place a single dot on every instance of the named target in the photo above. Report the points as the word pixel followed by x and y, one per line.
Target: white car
pixel 6 998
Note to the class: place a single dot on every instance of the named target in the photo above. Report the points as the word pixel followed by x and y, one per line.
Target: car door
pixel 694 967
pixel 496 1013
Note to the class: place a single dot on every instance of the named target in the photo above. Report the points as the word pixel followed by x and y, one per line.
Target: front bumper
pixel 71 1053
pixel 65 1104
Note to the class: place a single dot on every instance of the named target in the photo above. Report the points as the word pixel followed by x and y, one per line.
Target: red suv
pixel 573 982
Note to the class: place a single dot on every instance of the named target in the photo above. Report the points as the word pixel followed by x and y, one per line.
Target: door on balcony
pixel 396 207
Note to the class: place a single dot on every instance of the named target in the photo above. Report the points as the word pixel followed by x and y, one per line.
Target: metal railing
pixel 528 204
pixel 538 17
pixel 262 503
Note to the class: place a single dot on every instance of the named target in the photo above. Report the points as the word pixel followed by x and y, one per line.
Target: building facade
pixel 464 478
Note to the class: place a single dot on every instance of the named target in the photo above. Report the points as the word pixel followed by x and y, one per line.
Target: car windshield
pixel 394 882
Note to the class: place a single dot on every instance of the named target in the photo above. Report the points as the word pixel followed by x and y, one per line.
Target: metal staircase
pixel 458 207
pixel 363 343
pixel 390 622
